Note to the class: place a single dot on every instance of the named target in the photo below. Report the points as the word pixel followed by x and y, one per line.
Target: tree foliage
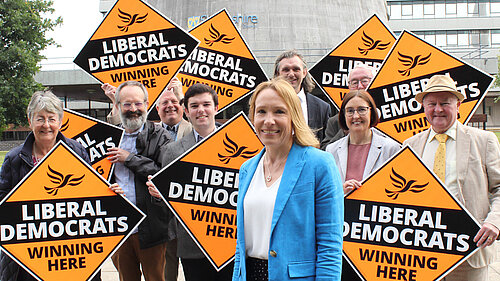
pixel 23 24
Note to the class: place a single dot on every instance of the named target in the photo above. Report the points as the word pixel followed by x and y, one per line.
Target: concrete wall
pixel 311 26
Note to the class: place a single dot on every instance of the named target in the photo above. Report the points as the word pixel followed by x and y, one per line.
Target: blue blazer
pixel 307 223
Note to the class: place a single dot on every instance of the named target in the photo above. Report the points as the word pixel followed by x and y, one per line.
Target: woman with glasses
pixel 363 150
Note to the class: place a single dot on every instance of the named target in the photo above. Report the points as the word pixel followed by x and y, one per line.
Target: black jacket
pixel 17 164
pixel 318 112
pixel 150 141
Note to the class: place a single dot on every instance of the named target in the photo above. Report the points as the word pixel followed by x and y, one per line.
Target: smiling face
pixel 357 123
pixel 272 119
pixel 441 110
pixel 292 70
pixel 201 112
pixel 132 108
pixel 169 108
pixel 45 126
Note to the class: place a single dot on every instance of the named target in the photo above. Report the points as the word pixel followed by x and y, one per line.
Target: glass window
pixel 484 37
pixel 451 8
pixel 495 37
pixel 418 10
pixel 495 7
pixel 430 37
pixel 429 10
pixel 396 11
pixel 473 8
pixel 462 9
pixel 440 11
pixel 474 38
pixel 440 38
pixel 406 11
pixel 463 38
pixel 451 38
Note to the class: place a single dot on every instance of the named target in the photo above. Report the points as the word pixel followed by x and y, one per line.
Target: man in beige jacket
pixel 470 168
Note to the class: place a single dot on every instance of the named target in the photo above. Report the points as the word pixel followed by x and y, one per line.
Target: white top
pixel 303 104
pixel 258 207
pixel 451 157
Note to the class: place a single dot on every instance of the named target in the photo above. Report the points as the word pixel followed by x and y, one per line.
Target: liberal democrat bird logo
pixel 61 181
pixel 235 151
pixel 412 62
pixel 401 186
pixel 372 44
pixel 130 19
pixel 217 37
pixel 64 126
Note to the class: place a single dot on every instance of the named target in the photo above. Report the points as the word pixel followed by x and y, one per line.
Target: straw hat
pixel 440 83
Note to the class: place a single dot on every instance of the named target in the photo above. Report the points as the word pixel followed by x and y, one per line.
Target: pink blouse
pixel 356 161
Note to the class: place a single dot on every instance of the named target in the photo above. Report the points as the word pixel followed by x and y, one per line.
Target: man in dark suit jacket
pixel 201 104
pixel 291 66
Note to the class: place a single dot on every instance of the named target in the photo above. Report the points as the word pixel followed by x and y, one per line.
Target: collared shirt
pixel 172 130
pixel 451 177
pixel 198 137
pixel 303 104
pixel 123 175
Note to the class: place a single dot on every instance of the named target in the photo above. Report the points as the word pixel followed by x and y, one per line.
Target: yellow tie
pixel 440 157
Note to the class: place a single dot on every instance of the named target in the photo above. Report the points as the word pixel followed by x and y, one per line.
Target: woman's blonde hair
pixel 302 134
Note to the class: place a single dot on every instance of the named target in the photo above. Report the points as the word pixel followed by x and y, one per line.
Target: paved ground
pixel 109 273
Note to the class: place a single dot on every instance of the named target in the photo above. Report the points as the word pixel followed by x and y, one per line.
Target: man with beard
pixel 291 66
pixel 137 157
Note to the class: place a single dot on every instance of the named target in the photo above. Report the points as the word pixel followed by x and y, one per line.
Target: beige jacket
pixel 478 171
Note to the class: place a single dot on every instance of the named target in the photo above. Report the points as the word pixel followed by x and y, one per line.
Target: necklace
pixel 269 176
pixel 34 152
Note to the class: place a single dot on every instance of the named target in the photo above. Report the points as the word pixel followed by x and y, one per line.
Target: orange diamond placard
pixel 405 73
pixel 136 42
pixel 95 135
pixel 369 44
pixel 62 221
pixel 223 61
pixel 201 187
pixel 403 224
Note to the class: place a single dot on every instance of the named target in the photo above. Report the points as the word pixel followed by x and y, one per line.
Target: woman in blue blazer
pixel 290 201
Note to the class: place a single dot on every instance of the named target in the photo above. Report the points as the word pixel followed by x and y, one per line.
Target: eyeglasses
pixel 355 82
pixel 362 111
pixel 128 105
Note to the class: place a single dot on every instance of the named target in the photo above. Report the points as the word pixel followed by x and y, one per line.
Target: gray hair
pixel 307 82
pixel 44 101
pixel 363 66
pixel 128 84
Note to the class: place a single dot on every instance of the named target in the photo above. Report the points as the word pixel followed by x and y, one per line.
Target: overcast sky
pixel 80 20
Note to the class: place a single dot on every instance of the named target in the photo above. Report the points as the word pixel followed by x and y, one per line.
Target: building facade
pixel 467 29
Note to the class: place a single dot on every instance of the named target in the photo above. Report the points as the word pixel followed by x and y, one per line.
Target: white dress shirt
pixel 303 104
